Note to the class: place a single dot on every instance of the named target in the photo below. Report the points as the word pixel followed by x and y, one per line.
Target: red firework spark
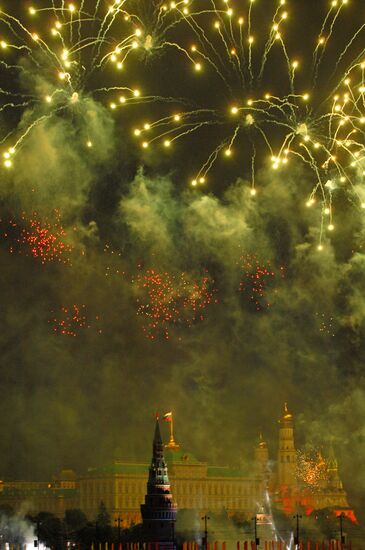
pixel 71 320
pixel 168 300
pixel 256 277
pixel 43 240
pixel 312 469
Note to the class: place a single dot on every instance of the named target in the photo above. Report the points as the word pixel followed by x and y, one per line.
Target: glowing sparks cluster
pixel 326 324
pixel 71 320
pixel 59 51
pixel 45 240
pixel 257 277
pixel 321 125
pixel 113 258
pixel 166 300
pixel 312 469
pixel 54 56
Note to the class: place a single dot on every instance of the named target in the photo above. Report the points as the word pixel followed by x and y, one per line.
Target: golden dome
pixel 287 415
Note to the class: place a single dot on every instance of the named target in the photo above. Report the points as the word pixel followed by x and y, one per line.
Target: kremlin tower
pixel 287 454
pixel 286 472
pixel 159 510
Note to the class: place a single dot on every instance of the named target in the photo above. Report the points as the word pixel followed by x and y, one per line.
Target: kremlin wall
pixel 196 485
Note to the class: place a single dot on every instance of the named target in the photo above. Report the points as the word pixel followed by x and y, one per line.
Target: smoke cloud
pixel 285 321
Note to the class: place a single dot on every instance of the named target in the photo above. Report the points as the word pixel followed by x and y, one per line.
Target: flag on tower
pixel 168 417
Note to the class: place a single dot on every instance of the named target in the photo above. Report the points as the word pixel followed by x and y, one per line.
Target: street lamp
pixel 205 539
pixel 117 522
pixel 257 540
pixel 296 538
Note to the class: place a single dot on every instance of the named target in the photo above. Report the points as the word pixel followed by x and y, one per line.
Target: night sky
pixel 125 289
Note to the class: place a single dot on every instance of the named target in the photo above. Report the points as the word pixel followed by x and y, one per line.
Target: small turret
pixel 334 479
pixel 261 457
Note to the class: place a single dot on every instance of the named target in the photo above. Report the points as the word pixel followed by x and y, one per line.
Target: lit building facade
pixel 31 497
pixel 291 490
pixel 197 485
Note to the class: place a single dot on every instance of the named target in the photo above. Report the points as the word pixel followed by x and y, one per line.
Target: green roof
pixel 224 471
pixel 181 457
pixel 172 456
pixel 128 468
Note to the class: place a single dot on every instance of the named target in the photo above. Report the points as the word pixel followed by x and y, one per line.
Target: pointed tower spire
pixel 332 469
pixel 157 452
pixel 159 510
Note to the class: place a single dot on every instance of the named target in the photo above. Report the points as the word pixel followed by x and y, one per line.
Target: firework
pixel 53 57
pixel 326 324
pixel 71 320
pixel 151 25
pixel 320 122
pixel 312 469
pixel 256 278
pixel 310 111
pixel 44 240
pixel 114 264
pixel 167 300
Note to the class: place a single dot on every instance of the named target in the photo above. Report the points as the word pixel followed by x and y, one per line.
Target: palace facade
pixel 197 485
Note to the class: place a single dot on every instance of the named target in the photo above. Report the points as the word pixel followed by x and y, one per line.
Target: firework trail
pixel 53 61
pixel 56 60
pixel 321 124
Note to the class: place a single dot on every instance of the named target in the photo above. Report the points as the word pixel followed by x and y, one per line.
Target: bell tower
pixel 287 455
